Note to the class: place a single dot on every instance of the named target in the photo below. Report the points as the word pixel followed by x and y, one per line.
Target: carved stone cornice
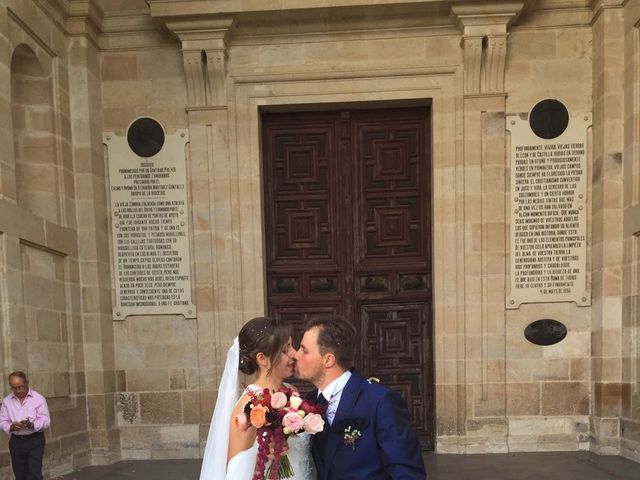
pixel 487 17
pixel 216 77
pixel 602 4
pixel 194 75
pixel 495 58
pixel 204 51
pixel 484 29
pixel 201 31
pixel 57 10
pixel 598 6
pixel 160 8
pixel 84 19
pixel 472 46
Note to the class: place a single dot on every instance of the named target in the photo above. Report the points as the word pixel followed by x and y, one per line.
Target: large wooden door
pixel 348 231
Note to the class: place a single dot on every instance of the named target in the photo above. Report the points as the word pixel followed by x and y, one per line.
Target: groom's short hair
pixel 337 335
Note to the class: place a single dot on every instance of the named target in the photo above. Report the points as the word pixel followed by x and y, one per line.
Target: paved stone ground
pixel 514 466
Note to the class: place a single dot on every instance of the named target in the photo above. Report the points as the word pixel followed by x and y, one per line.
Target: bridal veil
pixel 214 463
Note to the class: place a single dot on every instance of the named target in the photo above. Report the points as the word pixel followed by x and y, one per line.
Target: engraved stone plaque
pixel 548 205
pixel 149 221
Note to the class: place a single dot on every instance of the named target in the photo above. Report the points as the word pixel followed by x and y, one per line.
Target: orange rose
pixel 258 416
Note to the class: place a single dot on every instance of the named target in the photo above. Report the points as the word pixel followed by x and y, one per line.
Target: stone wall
pixel 548 388
pixel 159 357
pixel 145 386
pixel 41 294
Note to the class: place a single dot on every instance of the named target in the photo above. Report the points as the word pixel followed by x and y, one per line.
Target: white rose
pixel 295 401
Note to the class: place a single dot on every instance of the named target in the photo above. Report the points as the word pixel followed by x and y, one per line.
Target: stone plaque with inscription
pixel 548 205
pixel 150 226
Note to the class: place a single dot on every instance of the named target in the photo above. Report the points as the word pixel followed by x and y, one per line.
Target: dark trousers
pixel 26 456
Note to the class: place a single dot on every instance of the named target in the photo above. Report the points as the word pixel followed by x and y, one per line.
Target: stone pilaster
pixel 484 30
pixel 607 224
pixel 83 26
pixel 630 422
pixel 214 193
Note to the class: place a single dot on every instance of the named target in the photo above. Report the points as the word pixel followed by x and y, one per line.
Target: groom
pixel 368 432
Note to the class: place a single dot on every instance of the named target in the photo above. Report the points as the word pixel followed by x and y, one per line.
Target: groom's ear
pixel 329 360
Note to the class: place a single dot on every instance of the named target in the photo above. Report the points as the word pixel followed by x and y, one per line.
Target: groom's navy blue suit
pixel 387 448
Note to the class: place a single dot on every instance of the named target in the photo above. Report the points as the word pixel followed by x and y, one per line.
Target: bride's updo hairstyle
pixel 262 335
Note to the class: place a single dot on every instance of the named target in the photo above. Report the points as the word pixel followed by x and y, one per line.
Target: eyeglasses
pixel 19 388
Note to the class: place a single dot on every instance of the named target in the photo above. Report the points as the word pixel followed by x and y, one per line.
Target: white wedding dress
pixel 242 465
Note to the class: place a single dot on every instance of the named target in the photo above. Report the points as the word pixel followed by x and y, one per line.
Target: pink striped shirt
pixel 34 408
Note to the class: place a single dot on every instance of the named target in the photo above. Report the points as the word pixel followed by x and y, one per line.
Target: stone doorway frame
pixel 469 142
pixel 248 95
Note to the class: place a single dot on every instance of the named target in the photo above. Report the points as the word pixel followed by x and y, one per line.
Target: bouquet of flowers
pixel 276 416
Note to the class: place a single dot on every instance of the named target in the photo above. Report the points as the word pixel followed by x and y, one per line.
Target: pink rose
pixel 278 400
pixel 292 421
pixel 313 423
pixel 241 422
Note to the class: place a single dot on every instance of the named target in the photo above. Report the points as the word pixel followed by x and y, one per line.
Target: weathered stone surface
pixel 160 408
pixel 608 399
pixel 565 398
pixel 191 404
pixel 127 408
pixel 69 420
pixel 523 399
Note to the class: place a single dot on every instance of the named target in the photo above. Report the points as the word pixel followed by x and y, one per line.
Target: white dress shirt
pixel 333 393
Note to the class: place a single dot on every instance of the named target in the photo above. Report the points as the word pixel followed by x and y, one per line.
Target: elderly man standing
pixel 24 415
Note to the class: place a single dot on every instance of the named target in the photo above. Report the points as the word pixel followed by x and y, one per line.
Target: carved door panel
pixel 347 228
pixel 303 217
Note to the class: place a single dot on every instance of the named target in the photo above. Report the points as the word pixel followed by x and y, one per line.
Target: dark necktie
pixel 321 437
pixel 321 400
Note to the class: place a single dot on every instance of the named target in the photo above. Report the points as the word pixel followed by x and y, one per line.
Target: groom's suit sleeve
pixel 400 451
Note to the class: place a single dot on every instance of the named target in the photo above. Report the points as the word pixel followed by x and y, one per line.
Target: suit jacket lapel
pixel 347 401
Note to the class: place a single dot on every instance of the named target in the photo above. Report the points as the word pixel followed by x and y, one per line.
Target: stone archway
pixel 34 136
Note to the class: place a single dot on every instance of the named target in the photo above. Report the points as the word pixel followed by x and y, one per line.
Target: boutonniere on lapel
pixel 351 429
pixel 351 436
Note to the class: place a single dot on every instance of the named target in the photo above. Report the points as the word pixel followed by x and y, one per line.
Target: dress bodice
pixel 300 456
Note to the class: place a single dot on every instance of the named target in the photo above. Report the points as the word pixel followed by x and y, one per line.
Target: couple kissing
pixel 348 428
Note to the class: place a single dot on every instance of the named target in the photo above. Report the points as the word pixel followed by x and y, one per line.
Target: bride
pixel 263 348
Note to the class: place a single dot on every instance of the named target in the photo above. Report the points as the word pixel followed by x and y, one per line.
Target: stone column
pixel 93 236
pixel 607 224
pixel 484 31
pixel 630 421
pixel 214 193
